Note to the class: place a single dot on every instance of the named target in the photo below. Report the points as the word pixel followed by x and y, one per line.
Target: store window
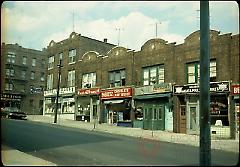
pixel 153 75
pixel 72 56
pixel 219 109
pixel 50 62
pixel 71 78
pixel 117 78
pixel 89 80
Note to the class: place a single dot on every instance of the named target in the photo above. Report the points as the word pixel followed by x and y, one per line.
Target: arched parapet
pixel 117 51
pixel 90 56
pixel 194 38
pixel 153 44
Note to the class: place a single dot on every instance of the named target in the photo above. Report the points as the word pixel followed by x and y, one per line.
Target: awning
pixel 151 96
pixel 113 101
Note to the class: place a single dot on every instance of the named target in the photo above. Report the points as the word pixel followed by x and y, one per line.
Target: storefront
pixel 11 100
pixel 116 106
pixel 235 92
pixel 189 109
pixel 153 107
pixel 88 107
pixel 66 103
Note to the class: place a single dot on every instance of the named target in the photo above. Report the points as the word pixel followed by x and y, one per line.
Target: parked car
pixel 12 112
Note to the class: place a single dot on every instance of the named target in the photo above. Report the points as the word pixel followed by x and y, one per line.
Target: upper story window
pixel 153 75
pixel 8 86
pixel 71 78
pixel 23 74
pixel 61 56
pixel 32 75
pixel 42 78
pixel 50 62
pixel 117 78
pixel 72 56
pixel 34 62
pixel 11 57
pixel 43 63
pixel 9 72
pixel 24 61
pixel 89 80
pixel 193 72
pixel 50 81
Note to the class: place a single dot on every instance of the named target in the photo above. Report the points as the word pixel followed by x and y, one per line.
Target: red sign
pixel 116 93
pixel 91 91
pixel 235 90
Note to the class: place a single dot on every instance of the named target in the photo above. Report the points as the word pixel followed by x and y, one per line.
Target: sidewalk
pixel 11 157
pixel 222 144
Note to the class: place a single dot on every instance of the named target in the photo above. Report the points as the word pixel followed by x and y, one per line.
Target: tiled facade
pixel 23 71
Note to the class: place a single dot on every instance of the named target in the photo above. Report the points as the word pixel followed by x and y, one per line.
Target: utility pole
pixel 205 125
pixel 58 85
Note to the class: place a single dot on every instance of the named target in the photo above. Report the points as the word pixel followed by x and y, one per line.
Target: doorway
pixel 192 119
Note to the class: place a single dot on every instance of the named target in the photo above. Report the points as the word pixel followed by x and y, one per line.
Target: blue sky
pixel 34 24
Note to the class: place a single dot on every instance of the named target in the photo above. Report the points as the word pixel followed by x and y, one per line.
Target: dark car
pixel 12 112
pixel 17 115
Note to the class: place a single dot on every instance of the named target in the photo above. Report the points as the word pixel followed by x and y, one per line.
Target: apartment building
pixel 22 78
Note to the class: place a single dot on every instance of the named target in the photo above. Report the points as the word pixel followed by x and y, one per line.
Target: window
pixel 160 113
pixel 9 72
pixel 42 76
pixel 50 62
pixel 71 78
pixel 23 74
pixel 8 86
pixel 34 62
pixel 11 57
pixel 61 56
pixel 50 81
pixel 193 72
pixel 24 61
pixel 32 75
pixel 154 113
pixel 43 63
pixel 89 80
pixel 153 75
pixel 72 56
pixel 117 78
pixel 213 71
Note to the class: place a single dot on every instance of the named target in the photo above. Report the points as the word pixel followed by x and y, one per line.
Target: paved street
pixel 63 145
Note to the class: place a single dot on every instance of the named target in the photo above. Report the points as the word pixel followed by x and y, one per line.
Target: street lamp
pixel 59 74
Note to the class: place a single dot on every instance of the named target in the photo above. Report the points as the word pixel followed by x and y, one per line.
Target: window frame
pixel 149 77
pixel 117 78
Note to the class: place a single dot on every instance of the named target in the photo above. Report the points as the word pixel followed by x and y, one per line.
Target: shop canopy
pixel 113 101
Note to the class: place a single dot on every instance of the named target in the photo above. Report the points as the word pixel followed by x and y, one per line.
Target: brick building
pixel 22 78
pixel 71 52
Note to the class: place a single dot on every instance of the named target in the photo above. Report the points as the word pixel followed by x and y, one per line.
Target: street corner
pixel 148 145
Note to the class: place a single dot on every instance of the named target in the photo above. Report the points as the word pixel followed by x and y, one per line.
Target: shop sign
pixel 92 91
pixel 194 88
pixel 53 92
pixel 157 88
pixel 162 88
pixel 116 93
pixel 10 97
pixel 235 89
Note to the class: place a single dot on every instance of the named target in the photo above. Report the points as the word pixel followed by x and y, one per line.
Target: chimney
pixel 105 40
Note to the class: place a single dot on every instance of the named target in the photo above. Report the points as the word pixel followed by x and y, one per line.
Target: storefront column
pixel 232 123
pixel 91 109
